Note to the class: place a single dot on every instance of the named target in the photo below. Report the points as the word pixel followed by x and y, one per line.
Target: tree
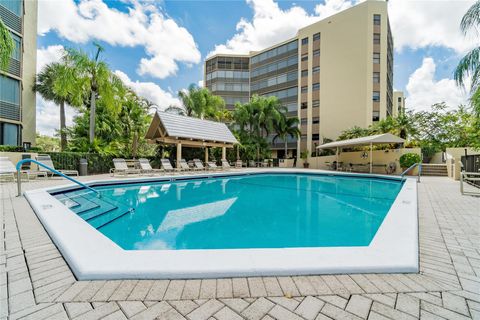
pixel 98 81
pixel 200 103
pixel 58 82
pixel 469 65
pixel 6 46
pixel 354 132
pixel 287 127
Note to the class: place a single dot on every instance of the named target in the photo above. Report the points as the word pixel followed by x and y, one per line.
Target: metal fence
pixel 471 163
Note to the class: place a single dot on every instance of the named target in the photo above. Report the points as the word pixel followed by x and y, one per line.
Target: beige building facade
pixel 398 103
pixel 17 99
pixel 334 74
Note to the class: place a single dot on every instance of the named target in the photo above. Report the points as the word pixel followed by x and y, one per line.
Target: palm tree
pixel 98 81
pixel 352 133
pixel 201 103
pixel 286 127
pixel 7 46
pixel 469 65
pixel 58 82
pixel 404 126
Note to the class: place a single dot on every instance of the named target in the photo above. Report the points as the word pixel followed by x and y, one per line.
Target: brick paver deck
pixel 36 283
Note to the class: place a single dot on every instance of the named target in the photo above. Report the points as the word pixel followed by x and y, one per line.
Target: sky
pixel 158 47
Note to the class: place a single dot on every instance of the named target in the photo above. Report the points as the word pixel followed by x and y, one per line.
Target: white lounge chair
pixel 211 165
pixel 198 164
pixel 239 164
pixel 46 160
pixel 184 166
pixel 166 165
pixel 225 165
pixel 8 170
pixel 146 167
pixel 121 167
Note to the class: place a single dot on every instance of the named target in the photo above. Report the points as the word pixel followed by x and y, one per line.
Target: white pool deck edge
pixel 92 256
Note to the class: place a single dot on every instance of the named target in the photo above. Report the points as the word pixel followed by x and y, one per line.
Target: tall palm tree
pixel 200 103
pixel 404 126
pixel 58 82
pixel 469 65
pixel 98 81
pixel 6 46
pixel 286 127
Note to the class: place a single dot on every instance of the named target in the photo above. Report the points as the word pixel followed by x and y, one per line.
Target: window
pixel 315 137
pixel 316 53
pixel 316 103
pixel 10 134
pixel 304 41
pixel 376 38
pixel 399 99
pixel 17 49
pixel 376 96
pixel 9 90
pixel 305 57
pixel 315 120
pixel 315 86
pixel 376 58
pixel 13 6
pixel 304 73
pixel 316 69
pixel 376 77
pixel 304 105
pixel 303 137
pixel 316 36
pixel 304 121
pixel 304 89
pixel 376 115
pixel 376 19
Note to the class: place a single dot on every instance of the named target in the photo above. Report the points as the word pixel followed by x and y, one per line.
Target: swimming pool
pixel 235 224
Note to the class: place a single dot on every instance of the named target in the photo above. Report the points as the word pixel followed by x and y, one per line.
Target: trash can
pixel 83 167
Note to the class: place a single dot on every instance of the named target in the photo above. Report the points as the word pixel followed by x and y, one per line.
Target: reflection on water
pixel 256 211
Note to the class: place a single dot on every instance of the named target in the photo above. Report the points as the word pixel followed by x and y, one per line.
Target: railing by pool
pixel 419 173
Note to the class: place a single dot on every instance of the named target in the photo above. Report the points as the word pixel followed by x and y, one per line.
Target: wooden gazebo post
pixel 206 154
pixel 224 153
pixel 179 155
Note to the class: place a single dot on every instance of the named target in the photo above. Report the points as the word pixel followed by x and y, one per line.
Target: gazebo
pixel 169 128
pixel 385 138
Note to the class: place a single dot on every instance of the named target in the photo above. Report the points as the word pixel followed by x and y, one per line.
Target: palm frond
pixel 468 66
pixel 471 19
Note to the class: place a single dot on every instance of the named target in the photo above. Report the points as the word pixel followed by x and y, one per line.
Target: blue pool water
pixel 248 211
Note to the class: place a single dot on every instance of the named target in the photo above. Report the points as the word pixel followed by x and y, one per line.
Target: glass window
pixel 291 107
pixel 9 90
pixel 376 77
pixel 316 36
pixel 315 120
pixel 304 105
pixel 214 87
pixel 316 69
pixel 17 50
pixel 316 53
pixel 282 64
pixel 376 96
pixel 221 74
pixel 293 60
pixel 292 76
pixel 399 99
pixel 375 115
pixel 282 49
pixel 376 38
pixel 315 86
pixel 292 45
pixel 304 89
pixel 209 76
pixel 237 87
pixel 229 74
pixel 14 6
pixel 305 57
pixel 376 57
pixel 272 67
pixel 304 121
pixel 304 73
pixel 292 92
pixel 282 78
pixel 272 82
pixel 221 87
pixel 10 134
pixel 315 103
pixel 315 137
pixel 303 137
pixel 377 19
pixel 304 41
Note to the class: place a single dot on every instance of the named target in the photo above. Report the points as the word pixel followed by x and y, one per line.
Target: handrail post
pixel 419 172
pixel 19 183
pixel 461 182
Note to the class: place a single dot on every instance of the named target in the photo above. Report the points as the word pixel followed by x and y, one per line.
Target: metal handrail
pixel 411 168
pixel 19 181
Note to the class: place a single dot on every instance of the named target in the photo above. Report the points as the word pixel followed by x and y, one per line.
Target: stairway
pixel 438 170
pixel 95 210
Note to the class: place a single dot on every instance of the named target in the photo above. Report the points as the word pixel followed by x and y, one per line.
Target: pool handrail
pixel 19 181
pixel 411 168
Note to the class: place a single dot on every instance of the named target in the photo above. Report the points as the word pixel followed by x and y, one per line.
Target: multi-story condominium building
pixel 398 103
pixel 17 99
pixel 334 74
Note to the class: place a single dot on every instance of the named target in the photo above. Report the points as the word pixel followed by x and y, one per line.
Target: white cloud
pixel 48 55
pixel 48 116
pixel 150 91
pixel 423 90
pixel 165 42
pixel 271 24
pixel 418 24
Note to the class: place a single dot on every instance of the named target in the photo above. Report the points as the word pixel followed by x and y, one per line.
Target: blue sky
pixel 158 47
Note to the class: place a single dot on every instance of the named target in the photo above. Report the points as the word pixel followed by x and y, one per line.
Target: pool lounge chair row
pixel 121 167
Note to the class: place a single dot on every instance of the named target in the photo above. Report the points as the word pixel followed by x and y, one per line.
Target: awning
pixel 385 138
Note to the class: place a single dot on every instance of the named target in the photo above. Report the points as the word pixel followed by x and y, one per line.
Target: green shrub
pixel 408 159
pixel 6 148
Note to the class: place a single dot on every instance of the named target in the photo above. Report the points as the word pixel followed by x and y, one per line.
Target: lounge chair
pixel 184 166
pixel 211 165
pixel 198 164
pixel 121 167
pixel 46 160
pixel 225 165
pixel 166 165
pixel 8 169
pixel 145 167
pixel 239 164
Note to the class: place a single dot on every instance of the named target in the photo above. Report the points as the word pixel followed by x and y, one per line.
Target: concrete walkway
pixel 36 283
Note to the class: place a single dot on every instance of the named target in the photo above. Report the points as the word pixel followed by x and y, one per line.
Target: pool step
pixel 104 219
pixel 77 203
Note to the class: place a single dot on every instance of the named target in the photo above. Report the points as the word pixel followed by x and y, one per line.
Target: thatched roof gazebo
pixel 168 128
